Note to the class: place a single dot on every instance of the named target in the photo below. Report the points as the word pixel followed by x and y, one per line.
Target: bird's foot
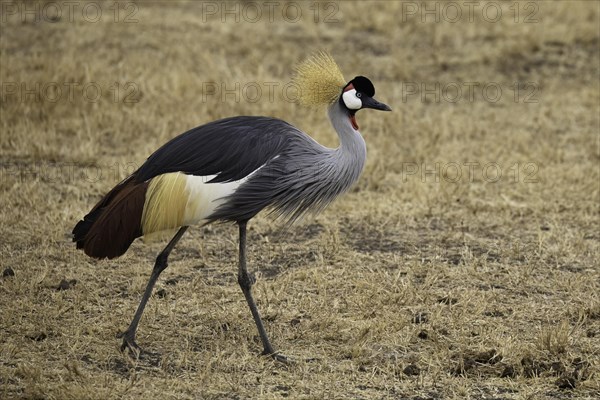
pixel 136 352
pixel 282 359
pixel 129 343
pixel 278 357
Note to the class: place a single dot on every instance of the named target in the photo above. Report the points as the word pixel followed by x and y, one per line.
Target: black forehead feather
pixel 364 85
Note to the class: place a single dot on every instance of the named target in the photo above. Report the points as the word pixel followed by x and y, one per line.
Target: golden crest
pixel 318 80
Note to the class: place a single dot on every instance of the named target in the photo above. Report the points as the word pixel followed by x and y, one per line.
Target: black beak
pixel 370 102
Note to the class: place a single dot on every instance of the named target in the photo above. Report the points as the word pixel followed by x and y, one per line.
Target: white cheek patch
pixel 351 101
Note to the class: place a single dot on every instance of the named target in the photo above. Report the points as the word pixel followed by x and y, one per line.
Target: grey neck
pixel 350 156
pixel 352 145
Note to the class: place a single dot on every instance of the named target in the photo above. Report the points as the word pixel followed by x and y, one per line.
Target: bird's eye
pixel 358 94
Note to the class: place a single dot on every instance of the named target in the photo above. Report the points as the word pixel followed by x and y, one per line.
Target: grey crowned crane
pixel 230 170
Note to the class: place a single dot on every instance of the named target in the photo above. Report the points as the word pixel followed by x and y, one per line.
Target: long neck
pixel 349 158
pixel 325 173
pixel 352 152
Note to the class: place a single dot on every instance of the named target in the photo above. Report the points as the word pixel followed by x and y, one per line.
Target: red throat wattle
pixel 353 121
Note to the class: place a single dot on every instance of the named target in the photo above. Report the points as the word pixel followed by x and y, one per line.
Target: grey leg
pixel 246 282
pixel 159 266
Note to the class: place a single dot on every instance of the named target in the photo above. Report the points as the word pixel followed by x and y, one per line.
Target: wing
pixel 229 148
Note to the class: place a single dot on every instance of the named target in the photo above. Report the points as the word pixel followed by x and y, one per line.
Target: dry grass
pixel 405 288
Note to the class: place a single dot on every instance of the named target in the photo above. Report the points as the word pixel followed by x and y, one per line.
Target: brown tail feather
pixel 114 223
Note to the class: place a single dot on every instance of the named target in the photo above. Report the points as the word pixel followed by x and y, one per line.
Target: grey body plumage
pixel 302 176
pixel 289 172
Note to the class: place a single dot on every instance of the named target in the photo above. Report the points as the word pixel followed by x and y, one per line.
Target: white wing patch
pixel 204 198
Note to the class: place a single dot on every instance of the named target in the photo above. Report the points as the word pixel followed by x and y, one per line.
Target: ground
pixel 463 264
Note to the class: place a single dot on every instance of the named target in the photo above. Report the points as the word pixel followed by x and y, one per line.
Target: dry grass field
pixel 464 263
